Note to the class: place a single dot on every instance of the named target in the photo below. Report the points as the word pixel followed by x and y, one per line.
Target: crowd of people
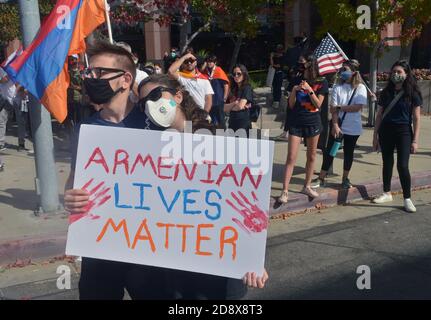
pixel 396 130
pixel 114 90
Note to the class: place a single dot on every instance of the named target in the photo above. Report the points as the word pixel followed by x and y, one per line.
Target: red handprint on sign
pixel 97 199
pixel 255 219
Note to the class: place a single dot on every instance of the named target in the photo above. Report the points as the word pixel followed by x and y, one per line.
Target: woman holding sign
pixel 158 93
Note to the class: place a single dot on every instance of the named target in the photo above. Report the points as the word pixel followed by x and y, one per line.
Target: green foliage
pixel 258 78
pixel 339 17
pixel 9 19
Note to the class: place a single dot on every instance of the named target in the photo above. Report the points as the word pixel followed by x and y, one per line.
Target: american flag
pixel 329 58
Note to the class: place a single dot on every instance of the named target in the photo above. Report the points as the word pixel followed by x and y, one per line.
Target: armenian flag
pixel 42 67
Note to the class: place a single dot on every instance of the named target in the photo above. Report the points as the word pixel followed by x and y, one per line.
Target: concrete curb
pixel 332 197
pixel 54 245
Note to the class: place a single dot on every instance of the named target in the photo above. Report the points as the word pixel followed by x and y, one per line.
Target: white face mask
pixel 161 112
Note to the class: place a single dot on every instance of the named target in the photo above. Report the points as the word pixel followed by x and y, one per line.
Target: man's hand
pixel 76 201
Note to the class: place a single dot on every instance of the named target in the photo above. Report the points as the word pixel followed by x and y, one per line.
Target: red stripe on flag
pixel 337 57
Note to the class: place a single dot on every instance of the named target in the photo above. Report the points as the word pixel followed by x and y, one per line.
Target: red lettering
pixel 164 166
pixel 227 172
pixel 209 164
pixel 246 172
pixel 124 161
pixel 100 160
pixel 143 162
pixel 189 175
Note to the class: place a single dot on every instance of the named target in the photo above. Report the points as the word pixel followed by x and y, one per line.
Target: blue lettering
pixel 189 201
pixel 141 195
pixel 117 199
pixel 213 204
pixel 168 208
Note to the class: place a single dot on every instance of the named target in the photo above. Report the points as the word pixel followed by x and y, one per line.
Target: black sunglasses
pixel 155 95
pixel 98 72
pixel 237 74
pixel 189 61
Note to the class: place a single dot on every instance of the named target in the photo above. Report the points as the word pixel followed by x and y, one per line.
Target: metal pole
pixel 46 177
pixel 373 71
pixel 108 22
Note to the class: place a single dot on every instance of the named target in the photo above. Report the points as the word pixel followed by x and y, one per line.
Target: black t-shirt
pixel 304 113
pixel 136 119
pixel 278 60
pixel 402 112
pixel 246 92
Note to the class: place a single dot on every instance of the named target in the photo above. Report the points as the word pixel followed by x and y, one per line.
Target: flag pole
pixel 345 57
pixel 108 22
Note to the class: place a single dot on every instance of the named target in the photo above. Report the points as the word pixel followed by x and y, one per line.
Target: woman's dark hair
pixel 313 69
pixel 245 81
pixel 192 112
pixel 410 85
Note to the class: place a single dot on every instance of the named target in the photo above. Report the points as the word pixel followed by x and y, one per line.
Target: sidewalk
pixel 22 234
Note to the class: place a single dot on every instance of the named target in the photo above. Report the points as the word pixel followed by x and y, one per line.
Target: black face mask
pixel 99 90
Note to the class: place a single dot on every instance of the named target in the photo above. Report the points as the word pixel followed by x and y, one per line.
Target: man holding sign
pixel 131 198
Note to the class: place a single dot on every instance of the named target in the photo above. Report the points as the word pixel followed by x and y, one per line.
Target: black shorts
pixel 305 131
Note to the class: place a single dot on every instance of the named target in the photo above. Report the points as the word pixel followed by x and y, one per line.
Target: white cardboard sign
pixel 192 208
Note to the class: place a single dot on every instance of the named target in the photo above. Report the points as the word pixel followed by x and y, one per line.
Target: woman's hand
pixel 414 147
pixel 252 280
pixel 76 201
pixel 333 109
pixel 305 86
pixel 336 130
pixel 376 145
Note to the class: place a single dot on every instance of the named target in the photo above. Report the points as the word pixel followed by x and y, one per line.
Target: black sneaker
pixel 21 147
pixel 318 183
pixel 346 184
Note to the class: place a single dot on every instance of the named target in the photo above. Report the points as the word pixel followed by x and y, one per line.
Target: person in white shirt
pixel 8 93
pixel 349 88
pixel 193 81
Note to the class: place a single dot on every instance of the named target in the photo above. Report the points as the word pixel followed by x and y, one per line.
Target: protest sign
pixel 176 200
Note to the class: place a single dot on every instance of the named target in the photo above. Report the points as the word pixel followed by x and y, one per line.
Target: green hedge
pixel 258 78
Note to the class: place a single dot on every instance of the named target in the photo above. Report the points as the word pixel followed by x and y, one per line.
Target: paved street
pixel 310 256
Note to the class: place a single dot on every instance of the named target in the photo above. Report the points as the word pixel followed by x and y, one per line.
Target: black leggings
pixel 349 148
pixel 400 137
pixel 276 86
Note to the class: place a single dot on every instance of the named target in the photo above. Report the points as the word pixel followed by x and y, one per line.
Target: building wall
pixel 157 41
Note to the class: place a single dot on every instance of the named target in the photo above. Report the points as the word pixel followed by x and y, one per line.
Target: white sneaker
pixel 284 197
pixel 385 197
pixel 409 206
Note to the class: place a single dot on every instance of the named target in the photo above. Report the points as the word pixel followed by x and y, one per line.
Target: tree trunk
pixel 238 43
pixel 183 36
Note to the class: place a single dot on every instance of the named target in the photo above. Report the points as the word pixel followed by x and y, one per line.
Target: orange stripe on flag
pixel 55 96
pixel 90 16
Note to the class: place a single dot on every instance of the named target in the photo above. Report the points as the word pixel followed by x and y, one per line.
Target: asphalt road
pixel 311 256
